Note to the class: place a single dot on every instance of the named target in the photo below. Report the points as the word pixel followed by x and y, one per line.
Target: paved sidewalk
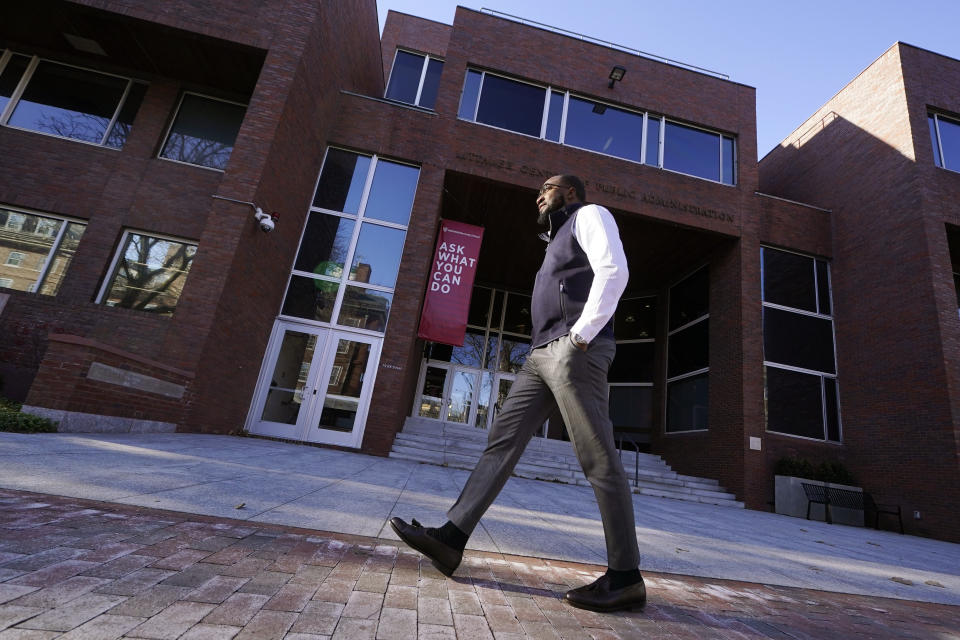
pixel 263 481
pixel 76 568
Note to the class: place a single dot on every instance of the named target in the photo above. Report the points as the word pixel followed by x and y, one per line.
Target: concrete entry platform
pixel 264 481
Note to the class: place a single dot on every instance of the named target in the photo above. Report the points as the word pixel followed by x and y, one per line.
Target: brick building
pixel 748 331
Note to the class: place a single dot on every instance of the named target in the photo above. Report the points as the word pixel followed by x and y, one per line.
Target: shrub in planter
pixel 12 419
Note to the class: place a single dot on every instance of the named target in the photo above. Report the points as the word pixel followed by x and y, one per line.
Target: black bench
pixel 847 499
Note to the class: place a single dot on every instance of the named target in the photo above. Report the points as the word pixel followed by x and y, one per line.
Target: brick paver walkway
pixel 75 569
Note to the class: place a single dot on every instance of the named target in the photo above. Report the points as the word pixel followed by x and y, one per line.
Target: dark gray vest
pixel 563 282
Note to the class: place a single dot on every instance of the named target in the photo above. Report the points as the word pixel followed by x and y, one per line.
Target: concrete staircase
pixel 453 445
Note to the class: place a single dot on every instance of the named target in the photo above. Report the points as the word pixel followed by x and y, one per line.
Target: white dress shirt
pixel 596 231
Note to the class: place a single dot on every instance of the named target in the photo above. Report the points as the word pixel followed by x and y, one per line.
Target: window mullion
pixel 563 118
pixel 936 128
pixel 116 113
pixel 354 238
pixel 21 87
pixel 423 75
pixel 48 261
pixel 643 139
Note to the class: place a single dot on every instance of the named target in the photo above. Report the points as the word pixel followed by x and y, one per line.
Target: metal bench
pixel 847 499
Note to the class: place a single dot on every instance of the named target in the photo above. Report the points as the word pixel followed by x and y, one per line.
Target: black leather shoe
pixel 598 596
pixel 444 557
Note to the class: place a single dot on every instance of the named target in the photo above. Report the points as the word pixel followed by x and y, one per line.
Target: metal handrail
pixel 612 45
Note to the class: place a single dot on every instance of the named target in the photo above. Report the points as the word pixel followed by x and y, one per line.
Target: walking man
pixel 583 275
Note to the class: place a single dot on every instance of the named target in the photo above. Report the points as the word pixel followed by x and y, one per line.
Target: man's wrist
pixel 578 341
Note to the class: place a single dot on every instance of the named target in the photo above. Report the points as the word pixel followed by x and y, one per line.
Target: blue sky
pixel 796 54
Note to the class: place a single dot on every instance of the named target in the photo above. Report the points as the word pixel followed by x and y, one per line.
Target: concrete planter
pixel 790 500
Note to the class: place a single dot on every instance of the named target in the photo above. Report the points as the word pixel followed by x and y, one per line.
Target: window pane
pixel 69 102
pixel 512 105
pixel 483 400
pixel 471 90
pixel 377 256
pixel 653 141
pixel 631 409
pixel 794 403
pixel 691 151
pixel 150 274
pixel 461 396
pixel 479 312
pixel 405 77
pixel 349 365
pixel 10 77
pixel 341 181
pixel 788 279
pixel 555 116
pixel 365 309
pixel 310 298
pixel 688 404
pixel 431 82
pixel 833 416
pixel 391 194
pixel 633 362
pixel 602 128
pixel 62 258
pixel 636 318
pixel 517 318
pixel 121 128
pixel 689 299
pixel 471 354
pixel 204 131
pixel 797 340
pixel 289 377
pixel 823 288
pixel 931 121
pixel 325 243
pixel 513 353
pixel 432 397
pixel 729 161
pixel 688 349
pixel 950 143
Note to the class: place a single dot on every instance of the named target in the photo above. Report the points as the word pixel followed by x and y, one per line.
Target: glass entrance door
pixel 315 385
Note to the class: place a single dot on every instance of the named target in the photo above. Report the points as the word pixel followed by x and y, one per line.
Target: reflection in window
pixel 801 394
pixel 945 136
pixel 358 218
pixel 36 250
pixel 69 102
pixel 204 131
pixel 688 353
pixel 149 273
pixel 560 116
pixel 414 79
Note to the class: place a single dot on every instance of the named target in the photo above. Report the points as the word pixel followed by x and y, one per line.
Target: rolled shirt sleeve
pixel 596 231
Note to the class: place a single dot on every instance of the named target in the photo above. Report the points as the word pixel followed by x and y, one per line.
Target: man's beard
pixel 543 217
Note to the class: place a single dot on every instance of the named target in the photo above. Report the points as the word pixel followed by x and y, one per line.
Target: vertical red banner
pixel 447 302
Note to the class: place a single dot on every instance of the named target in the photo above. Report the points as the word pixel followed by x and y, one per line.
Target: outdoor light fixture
pixel 616 74
pixel 266 220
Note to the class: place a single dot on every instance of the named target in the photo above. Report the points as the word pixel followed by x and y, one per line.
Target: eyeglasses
pixel 549 185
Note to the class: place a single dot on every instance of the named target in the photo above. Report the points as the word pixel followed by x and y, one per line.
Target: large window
pixel 563 117
pixel 632 372
pixel 148 273
pixel 688 354
pixel 414 79
pixel 204 131
pixel 800 372
pixel 67 101
pixel 36 250
pixel 945 136
pixel 349 256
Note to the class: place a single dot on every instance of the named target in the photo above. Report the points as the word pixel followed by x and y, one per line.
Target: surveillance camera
pixel 265 219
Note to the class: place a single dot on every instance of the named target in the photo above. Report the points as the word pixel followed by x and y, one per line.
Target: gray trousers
pixel 559 375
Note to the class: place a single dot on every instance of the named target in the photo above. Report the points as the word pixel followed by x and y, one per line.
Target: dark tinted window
pixel 392 192
pixel 517 318
pixel 512 105
pixel 687 404
pixel 204 131
pixel 788 279
pixel 691 151
pixel 631 408
pixel 325 244
pixel 633 363
pixel 69 102
pixel 690 299
pixel 794 403
pixel 471 91
pixel 431 82
pixel 405 77
pixel 11 76
pixel 636 318
pixel 950 142
pixel 653 141
pixel 729 162
pixel 823 288
pixel 555 116
pixel 121 128
pixel 479 307
pixel 598 127
pixel 341 182
pixel 931 121
pixel 689 349
pixel 798 340
pixel 833 417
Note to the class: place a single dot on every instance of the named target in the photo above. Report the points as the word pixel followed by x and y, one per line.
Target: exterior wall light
pixel 616 74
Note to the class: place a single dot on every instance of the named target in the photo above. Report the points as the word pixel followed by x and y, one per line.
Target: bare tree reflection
pixel 151 274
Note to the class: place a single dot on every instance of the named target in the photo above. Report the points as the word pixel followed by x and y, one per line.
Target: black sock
pixel 621 579
pixel 450 535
